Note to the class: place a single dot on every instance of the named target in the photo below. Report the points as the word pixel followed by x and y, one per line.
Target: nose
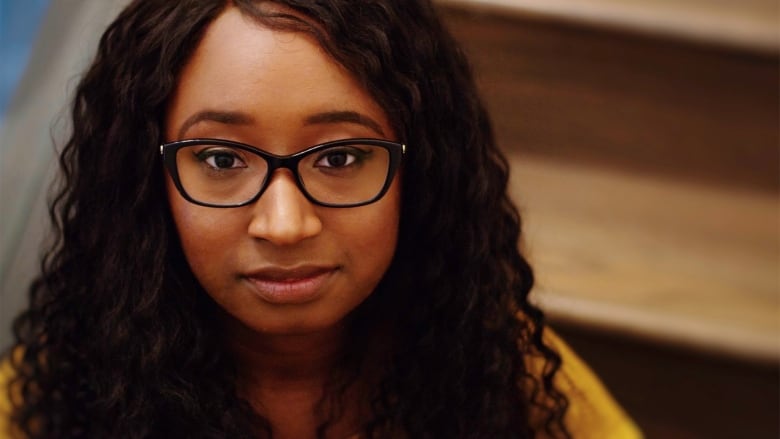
pixel 283 215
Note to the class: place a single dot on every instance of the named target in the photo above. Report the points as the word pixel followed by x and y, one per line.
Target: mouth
pixel 288 286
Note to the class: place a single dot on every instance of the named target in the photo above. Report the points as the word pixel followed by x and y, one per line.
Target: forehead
pixel 273 77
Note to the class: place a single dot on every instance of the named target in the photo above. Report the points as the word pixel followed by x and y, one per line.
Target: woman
pixel 288 220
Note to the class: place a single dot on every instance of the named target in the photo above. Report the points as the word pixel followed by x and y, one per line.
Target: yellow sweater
pixel 592 413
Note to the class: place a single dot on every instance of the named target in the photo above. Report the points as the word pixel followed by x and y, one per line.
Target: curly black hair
pixel 119 339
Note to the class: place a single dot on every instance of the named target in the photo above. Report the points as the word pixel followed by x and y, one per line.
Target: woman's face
pixel 281 265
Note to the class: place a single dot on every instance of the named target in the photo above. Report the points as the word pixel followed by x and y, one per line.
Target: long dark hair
pixel 119 340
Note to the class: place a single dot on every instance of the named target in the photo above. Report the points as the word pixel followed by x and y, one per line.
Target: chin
pixel 299 325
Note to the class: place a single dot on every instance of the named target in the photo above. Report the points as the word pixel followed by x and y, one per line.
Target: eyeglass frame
pixel 169 150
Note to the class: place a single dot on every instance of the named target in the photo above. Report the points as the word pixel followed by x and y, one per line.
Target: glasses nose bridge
pixel 285 162
pixel 276 162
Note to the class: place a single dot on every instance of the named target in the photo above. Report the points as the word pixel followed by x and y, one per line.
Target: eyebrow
pixel 225 117
pixel 345 116
pixel 239 118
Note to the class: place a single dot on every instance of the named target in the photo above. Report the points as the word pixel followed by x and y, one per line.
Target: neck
pixel 285 379
pixel 285 359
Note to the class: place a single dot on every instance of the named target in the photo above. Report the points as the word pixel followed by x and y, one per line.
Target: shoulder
pixel 6 377
pixel 5 402
pixel 592 411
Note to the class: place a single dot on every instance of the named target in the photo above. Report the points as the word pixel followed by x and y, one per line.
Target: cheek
pixel 205 237
pixel 378 234
pixel 371 235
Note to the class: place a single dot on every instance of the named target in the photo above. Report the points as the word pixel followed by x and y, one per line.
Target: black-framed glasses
pixel 223 173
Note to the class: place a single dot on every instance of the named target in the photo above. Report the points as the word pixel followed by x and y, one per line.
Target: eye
pixel 338 158
pixel 221 158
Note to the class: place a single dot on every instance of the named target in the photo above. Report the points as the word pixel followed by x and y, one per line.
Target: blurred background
pixel 644 140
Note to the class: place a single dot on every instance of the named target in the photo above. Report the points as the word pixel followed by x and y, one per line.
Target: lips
pixel 294 285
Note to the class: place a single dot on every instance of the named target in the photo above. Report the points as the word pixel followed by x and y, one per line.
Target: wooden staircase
pixel 646 164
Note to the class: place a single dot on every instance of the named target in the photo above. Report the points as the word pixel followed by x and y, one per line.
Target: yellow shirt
pixel 5 404
pixel 592 413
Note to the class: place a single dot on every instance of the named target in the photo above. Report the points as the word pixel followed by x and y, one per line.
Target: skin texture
pixel 267 88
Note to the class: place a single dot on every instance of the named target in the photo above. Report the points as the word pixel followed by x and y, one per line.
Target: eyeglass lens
pixel 224 175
